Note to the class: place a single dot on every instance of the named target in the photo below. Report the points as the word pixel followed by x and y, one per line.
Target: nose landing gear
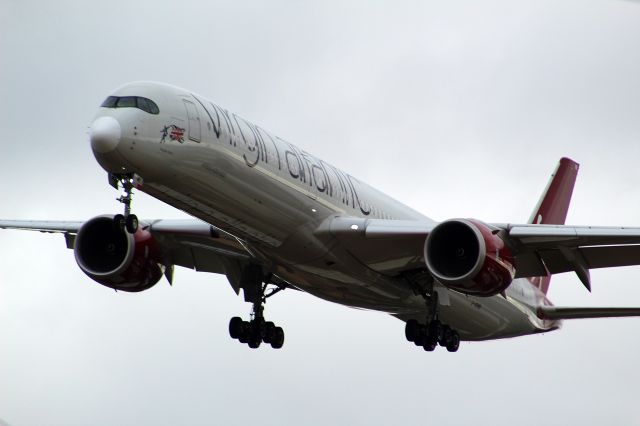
pixel 126 221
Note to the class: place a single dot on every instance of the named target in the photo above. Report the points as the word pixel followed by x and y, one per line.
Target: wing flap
pixel 594 257
pixel 544 236
pixel 197 245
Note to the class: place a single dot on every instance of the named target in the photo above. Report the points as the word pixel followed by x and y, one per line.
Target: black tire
pixel 411 330
pixel 254 343
pixel 246 332
pixel 430 344
pixel 131 223
pixel 278 340
pixel 454 343
pixel 446 336
pixel 119 222
pixel 236 327
pixel 269 331
pixel 421 335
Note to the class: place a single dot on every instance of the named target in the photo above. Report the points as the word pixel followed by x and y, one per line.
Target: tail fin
pixel 554 204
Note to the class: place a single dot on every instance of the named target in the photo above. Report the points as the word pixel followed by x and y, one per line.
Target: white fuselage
pixel 219 167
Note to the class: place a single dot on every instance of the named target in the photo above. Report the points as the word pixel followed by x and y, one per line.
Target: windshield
pixel 147 105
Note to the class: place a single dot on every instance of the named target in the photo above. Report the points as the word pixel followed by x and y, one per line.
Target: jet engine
pixel 465 255
pixel 115 258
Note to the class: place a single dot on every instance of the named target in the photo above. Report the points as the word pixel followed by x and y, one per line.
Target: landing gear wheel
pixel 411 330
pixel 269 332
pixel 278 338
pixel 119 222
pixel 446 336
pixel 131 223
pixel 258 330
pixel 245 333
pixel 236 327
pixel 436 330
pixel 430 344
pixel 454 343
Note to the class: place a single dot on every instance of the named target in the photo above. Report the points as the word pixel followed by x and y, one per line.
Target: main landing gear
pixel 257 330
pixel 433 332
pixel 126 221
pixel 431 335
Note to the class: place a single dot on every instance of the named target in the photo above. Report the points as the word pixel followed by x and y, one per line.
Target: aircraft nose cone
pixel 105 134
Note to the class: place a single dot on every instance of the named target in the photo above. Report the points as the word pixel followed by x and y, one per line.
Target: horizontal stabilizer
pixel 557 313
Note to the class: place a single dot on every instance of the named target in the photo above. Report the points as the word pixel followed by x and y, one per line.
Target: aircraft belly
pixel 484 318
pixel 341 287
pixel 474 318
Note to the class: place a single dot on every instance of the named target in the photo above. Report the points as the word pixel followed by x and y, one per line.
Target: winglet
pixel 553 206
pixel 552 209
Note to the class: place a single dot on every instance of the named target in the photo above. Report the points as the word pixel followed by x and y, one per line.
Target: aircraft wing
pixel 394 246
pixel 560 313
pixel 190 243
pixel 542 249
pixel 386 246
pixel 41 225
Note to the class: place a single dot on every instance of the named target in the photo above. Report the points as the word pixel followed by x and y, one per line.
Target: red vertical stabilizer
pixel 554 204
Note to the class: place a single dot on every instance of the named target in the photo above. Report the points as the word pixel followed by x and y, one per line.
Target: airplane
pixel 270 216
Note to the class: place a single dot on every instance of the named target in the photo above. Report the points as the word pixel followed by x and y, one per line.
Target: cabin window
pixel 145 104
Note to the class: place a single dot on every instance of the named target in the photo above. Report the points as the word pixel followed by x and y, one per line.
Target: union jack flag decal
pixel 173 132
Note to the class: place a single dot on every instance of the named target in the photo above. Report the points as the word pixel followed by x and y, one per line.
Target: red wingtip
pixel 554 204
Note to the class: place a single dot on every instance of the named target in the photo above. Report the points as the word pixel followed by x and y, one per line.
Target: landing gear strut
pixel 257 330
pixel 126 221
pixel 432 332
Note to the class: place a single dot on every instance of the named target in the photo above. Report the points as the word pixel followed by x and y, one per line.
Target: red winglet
pixel 554 204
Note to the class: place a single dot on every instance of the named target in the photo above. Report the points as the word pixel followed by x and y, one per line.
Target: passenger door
pixel 195 132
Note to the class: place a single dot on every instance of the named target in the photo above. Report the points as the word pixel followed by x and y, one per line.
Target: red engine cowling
pixel 115 258
pixel 466 256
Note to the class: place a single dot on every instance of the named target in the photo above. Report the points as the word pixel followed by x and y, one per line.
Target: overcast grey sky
pixel 457 108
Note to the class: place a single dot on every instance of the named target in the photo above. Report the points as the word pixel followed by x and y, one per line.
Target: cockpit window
pixel 126 102
pixel 143 104
pixel 110 102
pixel 147 105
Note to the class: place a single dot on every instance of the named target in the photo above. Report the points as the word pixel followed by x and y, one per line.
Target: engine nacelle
pixel 465 255
pixel 116 259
